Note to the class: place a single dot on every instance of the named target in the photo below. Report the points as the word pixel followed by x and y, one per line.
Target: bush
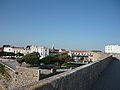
pixel 57 59
pixel 32 58
pixel 4 72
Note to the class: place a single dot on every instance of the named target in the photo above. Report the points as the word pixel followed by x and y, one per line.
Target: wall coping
pixel 57 77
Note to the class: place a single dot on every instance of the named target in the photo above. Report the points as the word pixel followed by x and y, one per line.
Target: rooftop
pixel 78 51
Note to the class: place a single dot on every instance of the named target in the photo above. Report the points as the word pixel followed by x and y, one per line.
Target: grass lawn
pixel 72 64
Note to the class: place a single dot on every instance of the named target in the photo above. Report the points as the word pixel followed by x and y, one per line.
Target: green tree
pixel 57 59
pixel 32 58
pixel 81 59
pixel 64 58
pixel 20 61
pixel 48 60
pixel 19 54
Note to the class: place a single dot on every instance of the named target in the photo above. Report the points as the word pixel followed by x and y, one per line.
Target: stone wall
pixel 80 78
pixel 116 55
pixel 99 55
pixel 24 76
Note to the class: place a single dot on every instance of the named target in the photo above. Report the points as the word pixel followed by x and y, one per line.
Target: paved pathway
pixel 110 78
pixel 11 63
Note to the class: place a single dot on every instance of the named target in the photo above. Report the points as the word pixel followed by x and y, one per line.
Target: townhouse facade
pixel 43 51
pixel 79 53
pixel 112 49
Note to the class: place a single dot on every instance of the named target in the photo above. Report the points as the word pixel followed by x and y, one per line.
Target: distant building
pixel 62 50
pixel 8 49
pixel 14 49
pixel 1 49
pixel 53 52
pixel 18 50
pixel 78 53
pixel 112 49
pixel 43 51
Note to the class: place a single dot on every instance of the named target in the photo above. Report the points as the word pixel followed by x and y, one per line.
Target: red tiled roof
pixel 54 51
pixel 78 51
pixel 1 48
pixel 67 52
pixel 63 49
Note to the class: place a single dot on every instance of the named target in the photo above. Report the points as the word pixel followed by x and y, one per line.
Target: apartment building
pixel 112 49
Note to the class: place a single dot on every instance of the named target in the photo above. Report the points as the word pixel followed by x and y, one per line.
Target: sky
pixel 69 24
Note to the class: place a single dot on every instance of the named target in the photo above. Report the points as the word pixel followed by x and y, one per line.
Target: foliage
pixel 72 64
pixel 32 58
pixel 19 54
pixel 48 60
pixel 7 53
pixel 4 72
pixel 2 53
pixel 20 61
pixel 81 59
pixel 2 69
pixel 57 59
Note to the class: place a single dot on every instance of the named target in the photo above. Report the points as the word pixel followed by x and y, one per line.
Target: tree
pixel 48 60
pixel 32 58
pixel 2 53
pixel 63 58
pixel 20 61
pixel 19 54
pixel 81 59
pixel 57 59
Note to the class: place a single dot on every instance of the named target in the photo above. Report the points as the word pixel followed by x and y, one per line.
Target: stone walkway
pixel 110 78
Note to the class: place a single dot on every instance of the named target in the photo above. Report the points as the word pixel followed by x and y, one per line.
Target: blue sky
pixel 70 24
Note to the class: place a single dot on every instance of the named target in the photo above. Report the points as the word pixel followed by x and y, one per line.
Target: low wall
pixel 116 55
pixel 25 76
pixel 80 78
pixel 99 55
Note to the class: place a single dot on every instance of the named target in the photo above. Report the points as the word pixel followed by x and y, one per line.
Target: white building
pixel 78 53
pixel 112 49
pixel 14 49
pixel 62 50
pixel 18 50
pixel 8 49
pixel 43 51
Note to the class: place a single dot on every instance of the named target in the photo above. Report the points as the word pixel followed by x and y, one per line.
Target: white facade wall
pixel 79 53
pixel 33 49
pixel 43 51
pixel 14 50
pixel 8 49
pixel 18 50
pixel 112 49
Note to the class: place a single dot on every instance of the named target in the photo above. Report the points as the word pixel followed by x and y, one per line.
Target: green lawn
pixel 72 64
